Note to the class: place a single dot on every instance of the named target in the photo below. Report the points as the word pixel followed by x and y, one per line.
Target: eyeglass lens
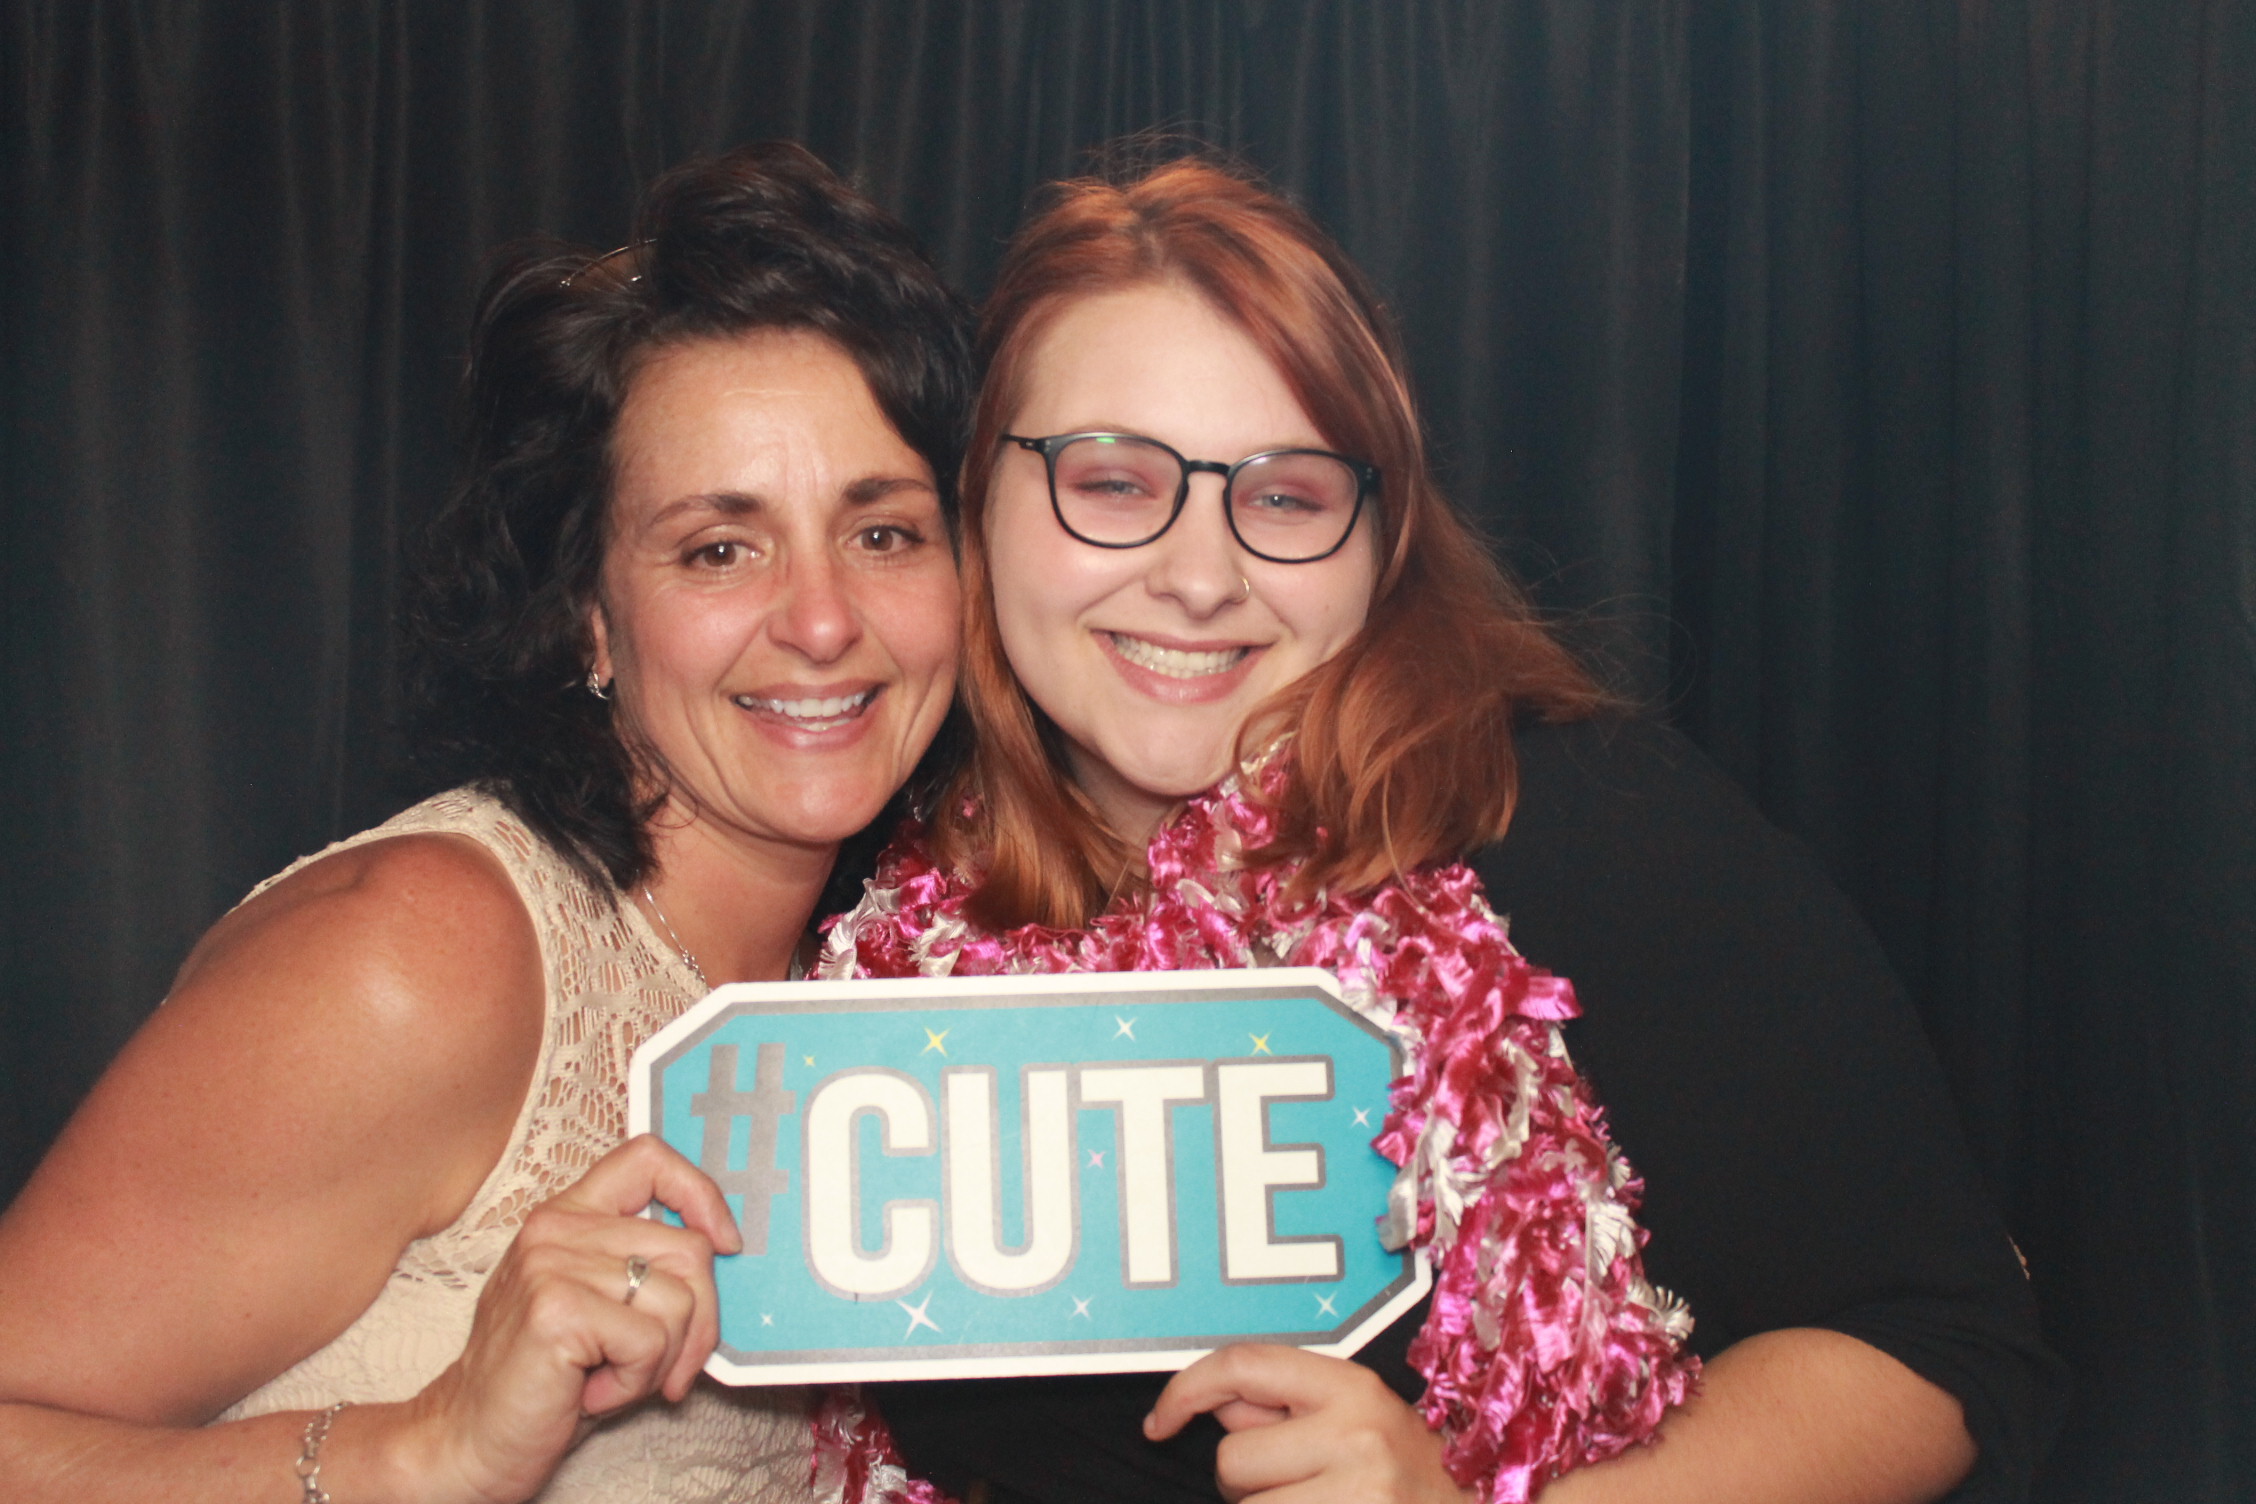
pixel 1120 490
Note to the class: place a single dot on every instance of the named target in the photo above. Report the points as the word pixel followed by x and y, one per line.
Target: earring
pixel 596 686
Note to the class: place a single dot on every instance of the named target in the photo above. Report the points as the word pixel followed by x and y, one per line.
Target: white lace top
pixel 611 984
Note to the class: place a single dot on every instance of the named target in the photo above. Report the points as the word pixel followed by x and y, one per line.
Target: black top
pixel 1761 1069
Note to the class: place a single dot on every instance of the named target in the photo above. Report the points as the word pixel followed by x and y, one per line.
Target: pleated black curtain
pixel 1872 387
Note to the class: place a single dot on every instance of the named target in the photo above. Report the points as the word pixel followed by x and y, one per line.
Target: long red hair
pixel 1402 741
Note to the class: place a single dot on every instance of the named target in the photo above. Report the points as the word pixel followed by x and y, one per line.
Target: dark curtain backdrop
pixel 1874 386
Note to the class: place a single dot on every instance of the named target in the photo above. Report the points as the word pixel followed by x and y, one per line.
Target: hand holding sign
pixel 1297 1418
pixel 1034 1174
pixel 555 1342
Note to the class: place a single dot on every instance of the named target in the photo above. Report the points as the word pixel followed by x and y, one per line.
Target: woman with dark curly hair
pixel 350 1215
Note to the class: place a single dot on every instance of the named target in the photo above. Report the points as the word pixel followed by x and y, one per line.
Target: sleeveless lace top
pixel 611 983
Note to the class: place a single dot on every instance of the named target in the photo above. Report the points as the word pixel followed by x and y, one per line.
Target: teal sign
pixel 1034 1175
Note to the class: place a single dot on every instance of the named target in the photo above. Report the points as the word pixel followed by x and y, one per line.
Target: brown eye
pixel 886 538
pixel 719 555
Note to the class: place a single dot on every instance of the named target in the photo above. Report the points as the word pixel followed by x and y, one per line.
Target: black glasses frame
pixel 1366 481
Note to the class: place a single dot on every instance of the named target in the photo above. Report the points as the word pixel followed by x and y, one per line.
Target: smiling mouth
pixel 809 714
pixel 1175 663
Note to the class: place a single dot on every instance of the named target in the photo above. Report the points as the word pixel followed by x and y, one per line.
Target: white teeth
pixel 1174 662
pixel 835 708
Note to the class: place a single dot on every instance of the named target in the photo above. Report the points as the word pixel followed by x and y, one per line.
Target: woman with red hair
pixel 1246 692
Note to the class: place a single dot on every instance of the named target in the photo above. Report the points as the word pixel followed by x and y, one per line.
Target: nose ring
pixel 1245 591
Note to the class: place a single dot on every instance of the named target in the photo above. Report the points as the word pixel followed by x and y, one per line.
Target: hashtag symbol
pixel 720 1105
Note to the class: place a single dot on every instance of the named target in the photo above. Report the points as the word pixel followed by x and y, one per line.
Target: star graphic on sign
pixel 1324 1304
pixel 766 1319
pixel 917 1317
pixel 1260 1043
pixel 1126 1027
pixel 1362 1117
pixel 809 1059
pixel 932 1042
pixel 1081 1307
pixel 1096 1159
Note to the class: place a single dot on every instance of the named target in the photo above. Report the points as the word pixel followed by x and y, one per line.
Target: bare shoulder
pixel 337 1068
pixel 422 887
pixel 401 979
pixel 414 954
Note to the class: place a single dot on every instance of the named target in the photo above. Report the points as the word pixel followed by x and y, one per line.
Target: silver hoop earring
pixel 596 686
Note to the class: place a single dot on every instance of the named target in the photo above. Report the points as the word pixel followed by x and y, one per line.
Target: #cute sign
pixel 1034 1175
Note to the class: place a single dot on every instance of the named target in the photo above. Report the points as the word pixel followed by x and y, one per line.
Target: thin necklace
pixel 688 960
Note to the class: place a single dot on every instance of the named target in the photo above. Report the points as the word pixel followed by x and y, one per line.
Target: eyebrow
pixel 1121 430
pixel 867 491
pixel 875 488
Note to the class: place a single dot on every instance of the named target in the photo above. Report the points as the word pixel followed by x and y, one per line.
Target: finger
pixel 1367 1448
pixel 673 1303
pixel 644 1169
pixel 558 1224
pixel 585 1251
pixel 692 1325
pixel 624 1352
pixel 554 1340
pixel 1281 1379
pixel 1241 1415
pixel 597 1248
pixel 685 1260
pixel 701 1331
pixel 701 1336
pixel 565 1317
pixel 1321 1489
pixel 1270 1457
pixel 675 1289
pixel 1206 1384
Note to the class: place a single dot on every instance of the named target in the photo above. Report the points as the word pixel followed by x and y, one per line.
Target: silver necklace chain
pixel 688 960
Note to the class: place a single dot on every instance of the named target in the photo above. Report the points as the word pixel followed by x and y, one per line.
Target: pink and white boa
pixel 1546 1347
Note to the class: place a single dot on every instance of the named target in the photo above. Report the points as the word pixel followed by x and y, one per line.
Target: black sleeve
pixel 1766 1076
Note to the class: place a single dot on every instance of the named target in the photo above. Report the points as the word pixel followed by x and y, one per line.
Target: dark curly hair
pixel 500 592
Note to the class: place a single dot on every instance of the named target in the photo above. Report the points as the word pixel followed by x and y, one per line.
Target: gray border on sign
pixel 646 1105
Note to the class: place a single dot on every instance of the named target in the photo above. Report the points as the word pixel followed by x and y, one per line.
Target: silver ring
pixel 638 1270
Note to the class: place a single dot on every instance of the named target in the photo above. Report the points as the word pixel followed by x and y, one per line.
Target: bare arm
pixel 1801 1416
pixel 336 1070
pixel 553 1343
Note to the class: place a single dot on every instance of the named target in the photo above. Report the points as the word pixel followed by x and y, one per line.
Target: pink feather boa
pixel 1546 1348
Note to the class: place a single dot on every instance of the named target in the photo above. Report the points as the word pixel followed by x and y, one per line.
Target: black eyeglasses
pixel 1117 490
